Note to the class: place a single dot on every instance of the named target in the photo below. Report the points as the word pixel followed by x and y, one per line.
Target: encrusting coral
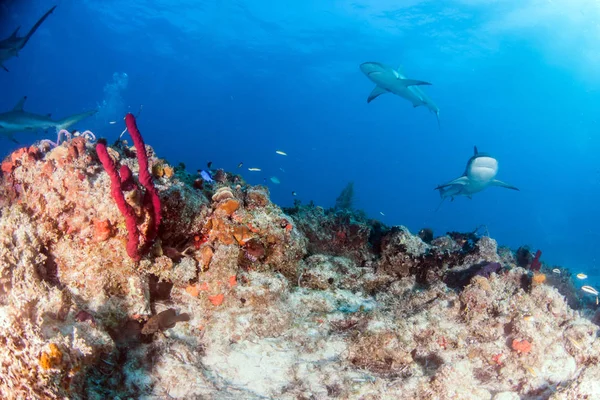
pixel 235 298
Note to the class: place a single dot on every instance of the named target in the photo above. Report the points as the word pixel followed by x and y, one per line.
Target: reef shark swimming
pixel 480 173
pixel 11 46
pixel 18 120
pixel 389 80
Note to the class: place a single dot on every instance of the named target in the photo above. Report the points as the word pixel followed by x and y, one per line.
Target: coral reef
pixel 237 298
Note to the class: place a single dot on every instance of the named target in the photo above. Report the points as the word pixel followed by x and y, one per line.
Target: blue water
pixel 230 81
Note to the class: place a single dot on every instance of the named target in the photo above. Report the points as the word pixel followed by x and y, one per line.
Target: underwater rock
pixel 400 252
pixel 341 233
pixel 256 197
pixel 523 256
pixel 426 235
pixel 330 303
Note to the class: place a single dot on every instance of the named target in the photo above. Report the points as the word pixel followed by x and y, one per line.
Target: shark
pixel 480 173
pixel 18 120
pixel 11 46
pixel 390 80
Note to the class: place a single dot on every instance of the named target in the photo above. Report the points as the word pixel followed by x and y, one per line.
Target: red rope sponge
pixel 123 180
pixel 117 194
pixel 144 175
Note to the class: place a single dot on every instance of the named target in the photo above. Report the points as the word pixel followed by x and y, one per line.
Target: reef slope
pixel 239 299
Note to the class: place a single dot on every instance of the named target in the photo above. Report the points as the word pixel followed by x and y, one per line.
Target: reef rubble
pixel 237 298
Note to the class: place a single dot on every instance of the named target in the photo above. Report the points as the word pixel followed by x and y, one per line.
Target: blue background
pixel 232 81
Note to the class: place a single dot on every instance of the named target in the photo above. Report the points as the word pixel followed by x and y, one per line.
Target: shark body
pixel 389 80
pixel 480 173
pixel 11 46
pixel 18 120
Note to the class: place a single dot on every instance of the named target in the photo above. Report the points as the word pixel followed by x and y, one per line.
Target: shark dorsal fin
pixel 19 105
pixel 475 152
pixel 14 34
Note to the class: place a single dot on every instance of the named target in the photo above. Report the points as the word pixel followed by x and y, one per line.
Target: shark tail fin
pixel 437 116
pixel 36 26
pixel 66 123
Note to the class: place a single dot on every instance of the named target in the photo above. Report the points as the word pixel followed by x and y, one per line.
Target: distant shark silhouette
pixel 389 80
pixel 480 173
pixel 11 46
pixel 18 120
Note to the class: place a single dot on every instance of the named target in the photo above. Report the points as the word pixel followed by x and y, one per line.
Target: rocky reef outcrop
pixel 237 298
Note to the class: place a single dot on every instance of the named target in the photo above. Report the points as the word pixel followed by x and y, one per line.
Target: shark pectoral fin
pixel 496 182
pixel 4 68
pixel 412 82
pixel 470 197
pixel 378 90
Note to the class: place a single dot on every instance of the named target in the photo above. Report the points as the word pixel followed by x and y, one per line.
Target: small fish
pixel 275 180
pixel 112 122
pixel 590 290
pixel 381 213
pixel 581 276
pixel 240 164
pixel 164 320
pixel 556 271
pixel 281 153
pixel 254 169
pixel 209 164
pixel 206 176
pixel 575 343
pixel 294 193
pixel 531 371
pixel 281 169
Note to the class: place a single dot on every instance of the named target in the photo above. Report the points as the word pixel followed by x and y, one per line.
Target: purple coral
pixel 488 269
pixel 536 264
